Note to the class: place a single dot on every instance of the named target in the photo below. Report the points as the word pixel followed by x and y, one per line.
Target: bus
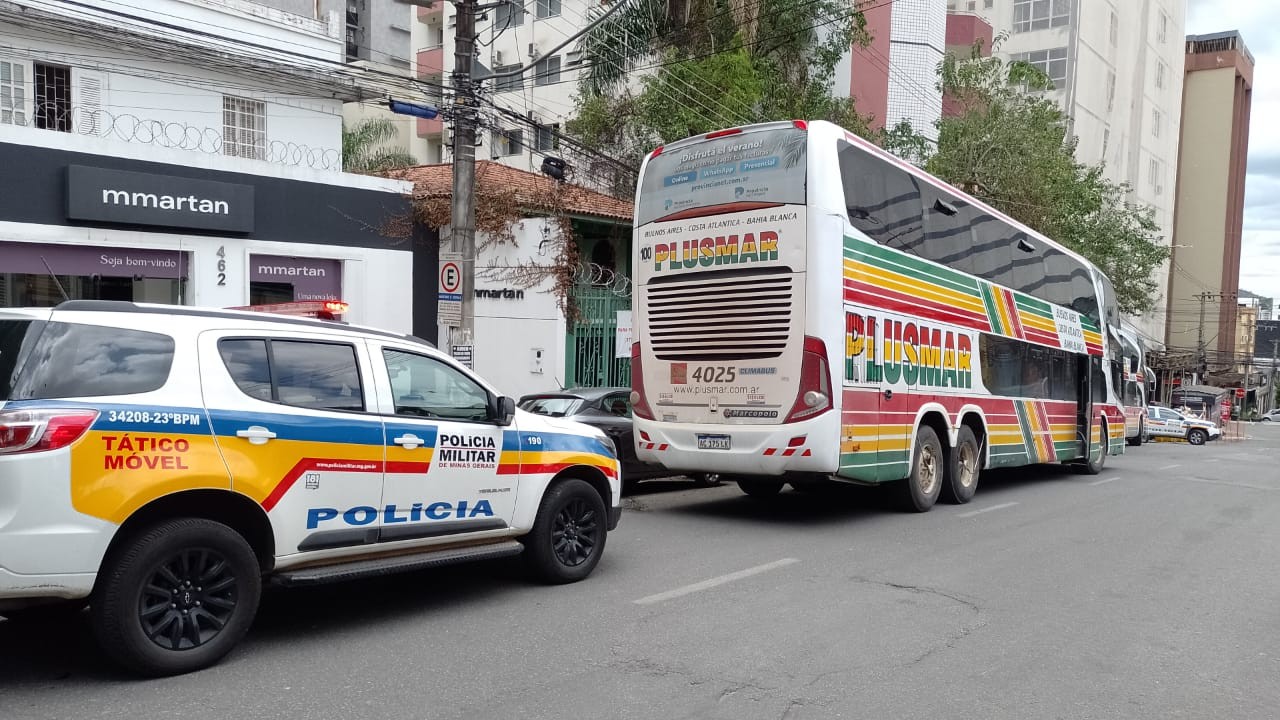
pixel 1134 391
pixel 809 309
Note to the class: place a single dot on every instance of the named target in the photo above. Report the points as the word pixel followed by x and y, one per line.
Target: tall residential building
pixel 1216 102
pixel 895 77
pixel 1115 65
pixel 510 36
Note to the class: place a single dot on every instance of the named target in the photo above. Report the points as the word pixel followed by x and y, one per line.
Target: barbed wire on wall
pixel 602 277
pixel 175 135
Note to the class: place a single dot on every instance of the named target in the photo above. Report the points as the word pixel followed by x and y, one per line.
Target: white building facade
pixel 510 37
pixel 1118 70
pixel 195 167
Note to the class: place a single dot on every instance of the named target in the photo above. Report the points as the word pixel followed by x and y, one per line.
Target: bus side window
pixel 1065 378
pixel 882 201
pixel 1099 380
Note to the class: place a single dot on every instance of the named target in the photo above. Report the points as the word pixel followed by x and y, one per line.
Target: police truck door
pixel 446 470
pixel 294 422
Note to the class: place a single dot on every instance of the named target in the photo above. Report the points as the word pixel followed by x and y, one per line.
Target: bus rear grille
pixel 720 316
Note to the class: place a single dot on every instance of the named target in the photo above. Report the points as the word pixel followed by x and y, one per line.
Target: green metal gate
pixel 591 353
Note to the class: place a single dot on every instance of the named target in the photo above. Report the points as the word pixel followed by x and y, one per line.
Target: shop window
pixel 244 128
pixel 90 273
pixel 73 361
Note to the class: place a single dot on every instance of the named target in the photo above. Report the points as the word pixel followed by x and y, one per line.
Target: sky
pixel 1259 24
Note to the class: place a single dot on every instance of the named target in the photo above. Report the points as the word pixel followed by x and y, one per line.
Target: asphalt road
pixel 1150 591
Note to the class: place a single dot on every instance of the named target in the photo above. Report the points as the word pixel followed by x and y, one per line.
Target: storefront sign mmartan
pixel 133 198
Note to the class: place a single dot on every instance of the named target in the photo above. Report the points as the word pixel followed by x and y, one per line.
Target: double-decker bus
pixel 1133 385
pixel 809 308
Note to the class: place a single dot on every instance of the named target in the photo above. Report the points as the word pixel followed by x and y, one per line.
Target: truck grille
pixel 725 315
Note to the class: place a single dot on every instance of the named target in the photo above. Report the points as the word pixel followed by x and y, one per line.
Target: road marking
pixel 1170 467
pixel 715 582
pixel 1001 506
pixel 1104 481
pixel 1229 484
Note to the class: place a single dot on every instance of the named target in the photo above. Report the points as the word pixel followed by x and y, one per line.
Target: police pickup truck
pixel 161 463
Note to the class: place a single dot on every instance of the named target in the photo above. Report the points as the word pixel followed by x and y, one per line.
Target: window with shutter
pixel 89 102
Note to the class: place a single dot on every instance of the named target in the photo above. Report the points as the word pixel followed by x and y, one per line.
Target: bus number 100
pixel 715 374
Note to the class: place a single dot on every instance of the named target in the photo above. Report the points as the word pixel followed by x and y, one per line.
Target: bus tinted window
pixel 767 165
pixel 1015 368
pixel 882 201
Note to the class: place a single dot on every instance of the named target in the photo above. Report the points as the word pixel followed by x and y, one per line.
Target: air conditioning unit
pixel 497 57
pixel 452 22
pixel 533 50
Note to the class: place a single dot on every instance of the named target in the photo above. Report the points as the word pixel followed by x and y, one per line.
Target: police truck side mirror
pixel 506 411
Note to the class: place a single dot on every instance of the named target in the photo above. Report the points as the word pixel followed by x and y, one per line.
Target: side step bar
pixel 397 564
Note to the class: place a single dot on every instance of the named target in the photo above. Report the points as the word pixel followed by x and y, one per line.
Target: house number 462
pixel 222 265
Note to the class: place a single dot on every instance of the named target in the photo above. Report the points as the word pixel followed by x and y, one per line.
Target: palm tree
pixel 363 151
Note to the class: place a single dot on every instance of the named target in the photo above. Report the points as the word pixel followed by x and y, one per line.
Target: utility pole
pixel 1271 384
pixel 462 208
pixel 466 117
pixel 1200 358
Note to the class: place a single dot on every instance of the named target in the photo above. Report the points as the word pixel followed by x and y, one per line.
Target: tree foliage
pixel 1010 145
pixel 364 148
pixel 704 65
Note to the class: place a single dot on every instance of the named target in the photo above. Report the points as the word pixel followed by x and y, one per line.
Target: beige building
pixel 1204 278
pixel 1246 336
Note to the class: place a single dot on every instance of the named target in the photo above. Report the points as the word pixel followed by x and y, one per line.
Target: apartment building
pixel 1216 105
pixel 1116 67
pixel 510 36
pixel 895 77
pixel 189 152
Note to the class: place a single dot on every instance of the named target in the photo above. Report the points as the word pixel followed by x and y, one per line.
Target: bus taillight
pixel 639 403
pixel 814 396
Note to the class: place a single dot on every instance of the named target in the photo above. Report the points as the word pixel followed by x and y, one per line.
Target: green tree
pixel 364 151
pixel 1010 145
pixel 706 65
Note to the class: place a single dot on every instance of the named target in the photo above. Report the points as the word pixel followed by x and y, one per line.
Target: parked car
pixel 1273 416
pixel 1166 422
pixel 608 409
pixel 162 464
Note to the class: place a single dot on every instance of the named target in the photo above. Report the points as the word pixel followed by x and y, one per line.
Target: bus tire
pixel 760 488
pixel 1094 465
pixel 920 490
pixel 963 471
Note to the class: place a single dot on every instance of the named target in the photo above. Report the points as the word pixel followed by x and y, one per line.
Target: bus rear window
pixel 761 166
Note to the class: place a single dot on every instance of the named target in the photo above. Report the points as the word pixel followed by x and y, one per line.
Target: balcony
pixel 426 14
pixel 430 62
pixel 430 128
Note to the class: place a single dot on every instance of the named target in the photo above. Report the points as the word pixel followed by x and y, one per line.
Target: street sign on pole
pixel 463 354
pixel 450 297
pixel 1239 392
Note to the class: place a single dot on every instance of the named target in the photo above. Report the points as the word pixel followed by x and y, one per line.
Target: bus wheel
pixel 921 488
pixel 760 488
pixel 966 463
pixel 1096 461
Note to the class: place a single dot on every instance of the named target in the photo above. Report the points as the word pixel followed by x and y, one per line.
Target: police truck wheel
pixel 760 488
pixel 1196 436
pixel 1097 460
pixel 966 463
pixel 921 488
pixel 176 598
pixel 568 535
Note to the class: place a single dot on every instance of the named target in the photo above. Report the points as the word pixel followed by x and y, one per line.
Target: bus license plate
pixel 713 442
